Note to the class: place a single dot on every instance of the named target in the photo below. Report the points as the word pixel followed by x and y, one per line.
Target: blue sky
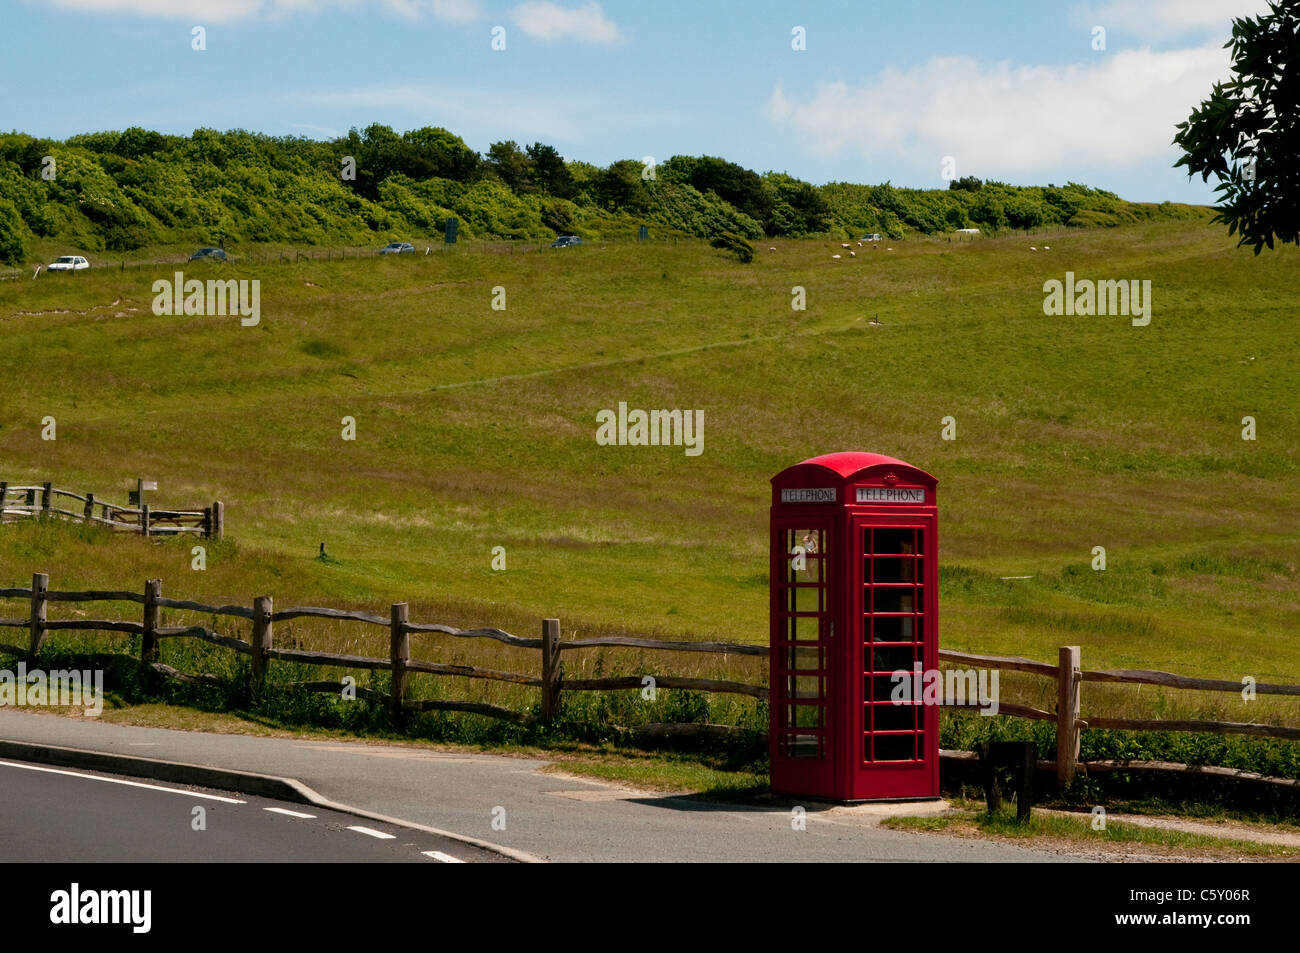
pixel 883 91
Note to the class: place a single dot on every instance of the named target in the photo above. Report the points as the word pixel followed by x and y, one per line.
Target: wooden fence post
pixel 144 519
pixel 149 643
pixel 4 491
pixel 1067 713
pixel 89 512
pixel 40 587
pixel 399 641
pixel 218 519
pixel 46 492
pixel 262 642
pixel 550 668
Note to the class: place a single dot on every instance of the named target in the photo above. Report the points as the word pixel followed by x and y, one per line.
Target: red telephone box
pixel 854 590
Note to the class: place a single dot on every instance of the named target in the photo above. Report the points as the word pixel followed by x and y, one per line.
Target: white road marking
pixel 132 784
pixel 373 833
pixel 287 812
pixel 439 855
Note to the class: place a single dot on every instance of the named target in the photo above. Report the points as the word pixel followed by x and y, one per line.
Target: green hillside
pixel 475 428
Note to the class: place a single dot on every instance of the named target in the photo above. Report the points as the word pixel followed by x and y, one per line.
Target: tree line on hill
pixel 125 190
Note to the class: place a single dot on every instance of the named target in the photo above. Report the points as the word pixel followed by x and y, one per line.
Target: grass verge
pixel 1052 829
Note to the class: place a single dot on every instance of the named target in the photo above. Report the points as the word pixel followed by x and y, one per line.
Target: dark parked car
pixel 398 248
pixel 564 241
pixel 209 254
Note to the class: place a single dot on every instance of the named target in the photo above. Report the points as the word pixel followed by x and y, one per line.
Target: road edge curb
pixel 226 779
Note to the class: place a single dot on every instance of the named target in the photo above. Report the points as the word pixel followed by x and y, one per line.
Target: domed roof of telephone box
pixel 851 464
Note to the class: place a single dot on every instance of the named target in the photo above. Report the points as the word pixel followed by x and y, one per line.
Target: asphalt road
pixel 55 815
pixel 513 802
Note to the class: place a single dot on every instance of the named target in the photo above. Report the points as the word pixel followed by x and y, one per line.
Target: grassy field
pixel 475 429
pixel 1117 839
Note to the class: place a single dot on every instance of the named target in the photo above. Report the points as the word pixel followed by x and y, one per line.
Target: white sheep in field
pixel 1033 248
pixel 844 244
pixel 771 248
pixel 835 256
pixel 853 254
pixel 1047 248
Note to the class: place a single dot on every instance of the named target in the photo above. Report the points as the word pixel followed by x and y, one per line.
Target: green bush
pixel 734 243
pixel 13 239
pixel 1024 213
pixel 559 215
pixel 129 189
pixel 1091 218
pixel 685 209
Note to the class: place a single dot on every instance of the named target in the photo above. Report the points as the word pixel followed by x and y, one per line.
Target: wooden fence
pixel 1069 677
pixel 261 648
pixel 35 502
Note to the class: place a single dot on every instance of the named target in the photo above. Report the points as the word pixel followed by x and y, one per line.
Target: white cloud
pixel 227 11
pixel 543 20
pixel 1117 110
pixel 206 11
pixel 449 11
pixel 1151 19
pixel 457 11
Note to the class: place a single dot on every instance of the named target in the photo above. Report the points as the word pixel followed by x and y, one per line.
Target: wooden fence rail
pixel 36 502
pixel 1070 723
pixel 262 649
pixel 1067 673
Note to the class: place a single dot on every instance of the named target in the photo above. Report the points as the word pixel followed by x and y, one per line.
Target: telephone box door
pixel 894 608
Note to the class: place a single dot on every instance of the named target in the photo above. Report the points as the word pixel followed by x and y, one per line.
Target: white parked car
pixel 69 263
